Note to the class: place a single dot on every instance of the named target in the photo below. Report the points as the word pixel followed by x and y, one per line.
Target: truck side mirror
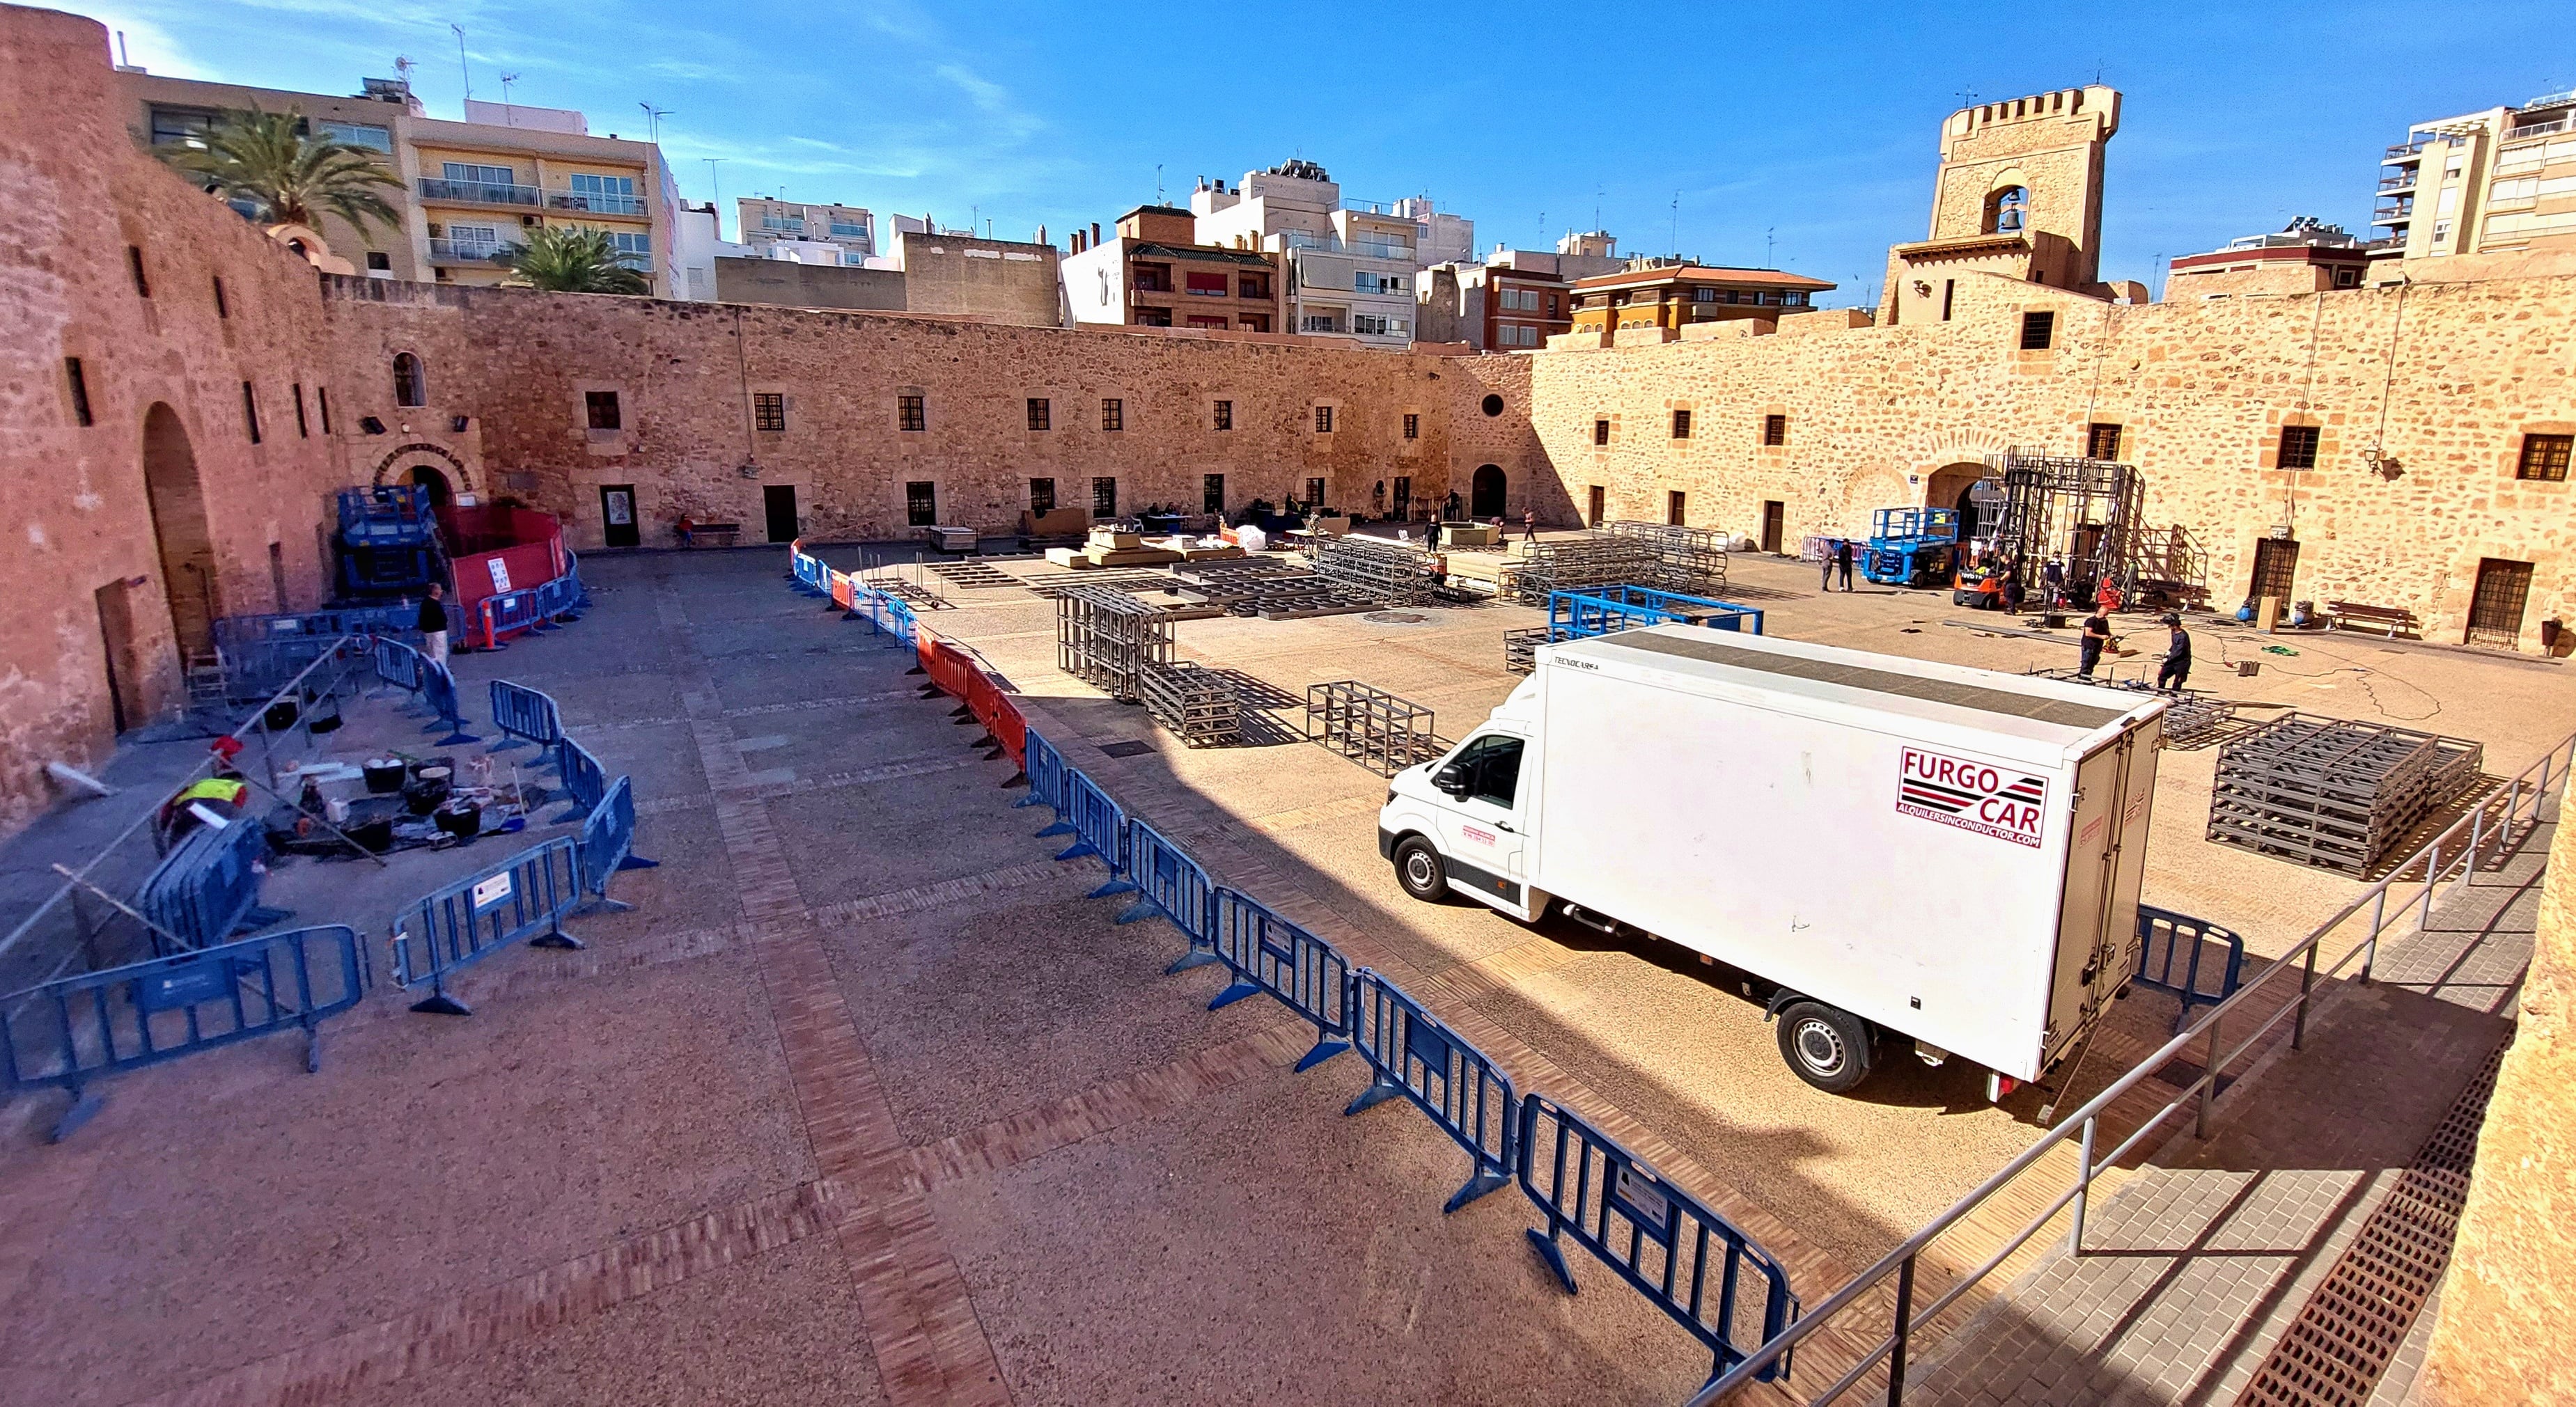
pixel 1451 779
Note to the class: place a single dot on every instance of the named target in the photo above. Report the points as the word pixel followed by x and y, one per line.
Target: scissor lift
pixel 1912 546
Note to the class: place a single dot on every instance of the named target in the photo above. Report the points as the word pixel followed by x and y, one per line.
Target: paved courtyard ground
pixel 864 1100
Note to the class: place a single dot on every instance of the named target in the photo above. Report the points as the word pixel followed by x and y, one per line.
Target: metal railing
pixel 2499 821
pixel 2402 181
pixel 2537 129
pixel 598 202
pixel 479 192
pixel 450 251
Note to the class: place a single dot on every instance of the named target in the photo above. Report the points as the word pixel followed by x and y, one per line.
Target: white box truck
pixel 1898 848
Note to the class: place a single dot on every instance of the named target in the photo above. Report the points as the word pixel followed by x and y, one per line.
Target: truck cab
pixel 1463 822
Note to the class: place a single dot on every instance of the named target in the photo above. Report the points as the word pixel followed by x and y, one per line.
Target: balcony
pixel 2402 181
pixel 2539 129
pixel 1144 289
pixel 470 252
pixel 479 193
pixel 595 202
pixel 2407 151
pixel 1381 248
pixel 2396 214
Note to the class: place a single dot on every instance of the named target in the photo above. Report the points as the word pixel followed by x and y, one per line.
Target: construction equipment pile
pixel 1106 637
pixel 1388 573
pixel 1685 560
pixel 1689 560
pixel 1195 702
pixel 2332 793
pixel 1267 587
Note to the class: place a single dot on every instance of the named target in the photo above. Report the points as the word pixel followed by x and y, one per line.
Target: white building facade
pixel 1352 268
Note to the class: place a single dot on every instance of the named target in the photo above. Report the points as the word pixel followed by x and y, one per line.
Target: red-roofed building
pixel 1673 296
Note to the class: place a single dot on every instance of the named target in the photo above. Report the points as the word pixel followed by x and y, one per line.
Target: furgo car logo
pixel 1974 796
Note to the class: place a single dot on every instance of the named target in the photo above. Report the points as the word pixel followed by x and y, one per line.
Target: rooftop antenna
pixel 403 67
pixel 653 117
pixel 1677 224
pixel 1158 183
pixel 123 59
pixel 715 193
pixel 465 67
pixel 507 120
pixel 1766 246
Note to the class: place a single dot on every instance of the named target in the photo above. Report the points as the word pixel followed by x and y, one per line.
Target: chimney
pixel 1095 231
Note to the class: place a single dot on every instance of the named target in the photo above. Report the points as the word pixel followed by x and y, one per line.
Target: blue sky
pixel 1709 127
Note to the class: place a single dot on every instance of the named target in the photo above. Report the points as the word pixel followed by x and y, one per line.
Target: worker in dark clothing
pixel 2175 672
pixel 1843 562
pixel 433 625
pixel 2096 638
pixel 2053 576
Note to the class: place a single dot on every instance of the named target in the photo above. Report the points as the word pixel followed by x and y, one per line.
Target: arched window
pixel 410 386
pixel 2007 209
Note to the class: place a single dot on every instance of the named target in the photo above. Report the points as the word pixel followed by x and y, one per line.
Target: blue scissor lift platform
pixel 1912 546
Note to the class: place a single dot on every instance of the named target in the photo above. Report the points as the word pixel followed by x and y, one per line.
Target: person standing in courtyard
pixel 2175 672
pixel 1529 524
pixel 1843 562
pixel 433 626
pixel 2095 639
pixel 1826 559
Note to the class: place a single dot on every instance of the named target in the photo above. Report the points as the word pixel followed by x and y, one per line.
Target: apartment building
pixel 1351 268
pixel 1658 293
pixel 2307 257
pixel 2482 183
pixel 470 190
pixel 842 236
pixel 1154 273
pixel 1513 299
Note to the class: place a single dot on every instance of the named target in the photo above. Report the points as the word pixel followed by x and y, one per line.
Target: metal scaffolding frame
pixel 1386 572
pixel 1195 702
pixel 1370 726
pixel 2087 513
pixel 1106 637
pixel 1690 560
pixel 2333 793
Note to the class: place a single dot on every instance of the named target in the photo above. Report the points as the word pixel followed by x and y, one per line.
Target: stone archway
pixel 1948 486
pixel 1486 492
pixel 441 493
pixel 185 544
pixel 446 474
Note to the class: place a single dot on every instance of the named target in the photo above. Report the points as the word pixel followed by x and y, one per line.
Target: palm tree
pixel 572 259
pixel 291 175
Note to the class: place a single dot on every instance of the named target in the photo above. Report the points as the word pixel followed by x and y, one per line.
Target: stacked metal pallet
pixel 1690 560
pixel 1195 702
pixel 2332 793
pixel 1107 637
pixel 1269 588
pixel 1370 726
pixel 1388 573
pixel 1594 559
pixel 1520 648
pixel 1133 579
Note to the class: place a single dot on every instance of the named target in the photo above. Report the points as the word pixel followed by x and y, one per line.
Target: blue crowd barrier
pixel 207 888
pixel 2168 940
pixel 584 780
pixel 522 899
pixel 810 572
pixel 78 1029
pixel 1267 953
pixel 438 690
pixel 1599 610
pixel 1046 773
pixel 1410 1053
pixel 1169 883
pixel 523 715
pixel 572 572
pixel 398 665
pixel 608 844
pixel 1099 827
pixel 1668 1245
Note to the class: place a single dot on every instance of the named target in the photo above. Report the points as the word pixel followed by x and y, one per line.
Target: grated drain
pixel 1131 748
pixel 2333 1354
pixel 1395 618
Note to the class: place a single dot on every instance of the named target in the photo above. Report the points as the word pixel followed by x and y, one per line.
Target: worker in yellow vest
pixel 219 797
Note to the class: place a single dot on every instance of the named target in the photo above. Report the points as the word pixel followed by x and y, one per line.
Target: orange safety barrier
pixel 959 675
pixel 841 590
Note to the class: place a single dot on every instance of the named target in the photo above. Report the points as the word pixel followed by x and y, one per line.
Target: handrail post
pixel 2307 982
pixel 1904 1330
pixel 2370 945
pixel 2083 1187
pixel 2208 1078
pixel 2432 881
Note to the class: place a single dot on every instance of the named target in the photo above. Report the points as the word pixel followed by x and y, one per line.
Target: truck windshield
pixel 1491 767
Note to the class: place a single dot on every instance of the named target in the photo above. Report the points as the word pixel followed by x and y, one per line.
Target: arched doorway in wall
pixel 1948 488
pixel 1485 492
pixel 441 493
pixel 186 546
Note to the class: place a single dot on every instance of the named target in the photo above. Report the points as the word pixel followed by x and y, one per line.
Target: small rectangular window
pixel 81 415
pixel 250 411
pixel 1775 429
pixel 2543 456
pixel 2298 447
pixel 377 259
pixel 910 414
pixel 1041 495
pixel 1224 415
pixel 1681 425
pixel 1413 427
pixel 1323 420
pixel 322 402
pixel 1314 493
pixel 1212 494
pixel 1673 505
pixel 1041 413
pixel 921 504
pixel 769 411
pixel 2101 441
pixel 1104 497
pixel 1113 413
pixel 1949 287
pixel 602 409
pixel 1601 431
pixel 301 432
pixel 223 306
pixel 2036 330
pixel 134 261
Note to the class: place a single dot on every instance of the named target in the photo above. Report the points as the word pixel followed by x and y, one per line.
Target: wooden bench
pixel 714 535
pixel 2390 621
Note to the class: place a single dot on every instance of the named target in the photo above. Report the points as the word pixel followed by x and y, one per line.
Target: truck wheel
pixel 1827 1046
pixel 1419 870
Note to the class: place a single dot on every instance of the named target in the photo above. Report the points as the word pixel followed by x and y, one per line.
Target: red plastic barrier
pixel 841 590
pixel 960 676
pixel 1006 725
